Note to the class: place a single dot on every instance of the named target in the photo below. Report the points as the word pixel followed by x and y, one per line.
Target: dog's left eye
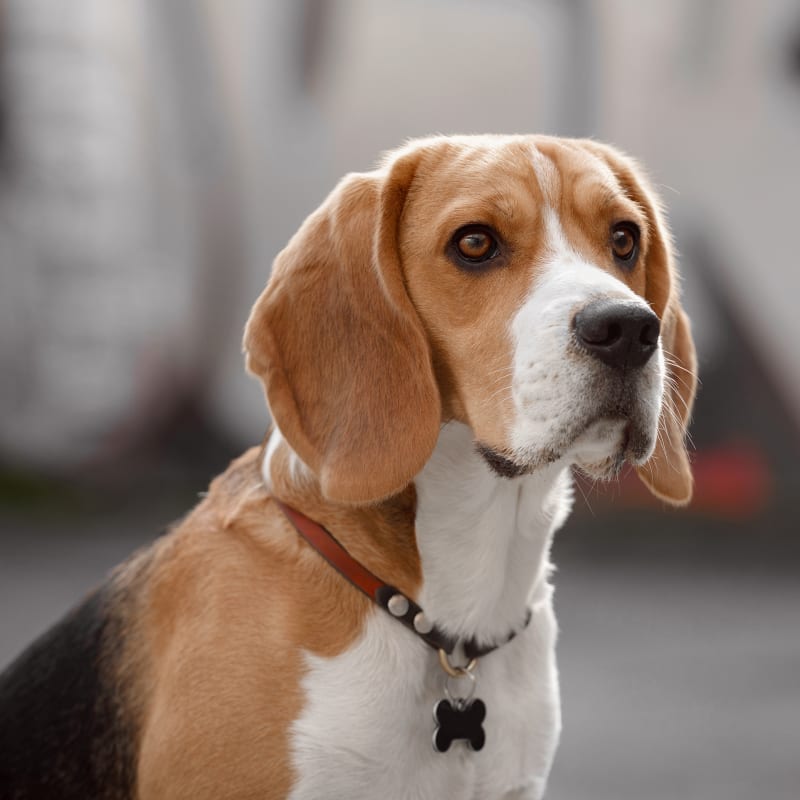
pixel 625 242
pixel 473 246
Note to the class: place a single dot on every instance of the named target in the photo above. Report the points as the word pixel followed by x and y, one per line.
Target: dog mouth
pixel 501 463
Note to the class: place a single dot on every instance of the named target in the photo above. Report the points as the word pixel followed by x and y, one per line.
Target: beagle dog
pixel 362 607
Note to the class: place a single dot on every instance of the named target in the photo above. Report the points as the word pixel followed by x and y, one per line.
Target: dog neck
pixel 483 539
pixel 480 542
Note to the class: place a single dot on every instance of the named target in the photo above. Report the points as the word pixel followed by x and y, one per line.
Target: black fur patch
pixel 62 733
pixel 503 466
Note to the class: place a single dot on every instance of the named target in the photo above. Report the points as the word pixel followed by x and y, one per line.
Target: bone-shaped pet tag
pixel 459 719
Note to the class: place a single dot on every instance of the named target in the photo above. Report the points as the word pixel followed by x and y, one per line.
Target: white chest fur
pixel 367 725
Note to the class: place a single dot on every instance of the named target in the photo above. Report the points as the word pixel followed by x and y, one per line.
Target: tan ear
pixel 667 473
pixel 344 359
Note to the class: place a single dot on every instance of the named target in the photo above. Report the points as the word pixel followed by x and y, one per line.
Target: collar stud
pixel 398 605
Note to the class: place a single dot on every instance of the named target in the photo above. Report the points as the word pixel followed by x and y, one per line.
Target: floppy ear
pixel 344 359
pixel 667 473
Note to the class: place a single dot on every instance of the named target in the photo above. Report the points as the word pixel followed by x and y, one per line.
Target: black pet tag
pixel 459 719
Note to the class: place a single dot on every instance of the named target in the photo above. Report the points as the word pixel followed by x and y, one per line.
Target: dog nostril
pixel 649 335
pixel 614 333
pixel 597 330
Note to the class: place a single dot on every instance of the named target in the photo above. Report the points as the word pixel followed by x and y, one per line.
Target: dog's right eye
pixel 473 246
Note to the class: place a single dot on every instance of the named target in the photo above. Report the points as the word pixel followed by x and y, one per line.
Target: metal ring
pixel 460 699
pixel 456 672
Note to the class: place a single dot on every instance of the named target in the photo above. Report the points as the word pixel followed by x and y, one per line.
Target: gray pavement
pixel 678 685
pixel 677 682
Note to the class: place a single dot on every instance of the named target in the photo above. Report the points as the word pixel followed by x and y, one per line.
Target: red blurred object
pixel 731 480
pixel 734 479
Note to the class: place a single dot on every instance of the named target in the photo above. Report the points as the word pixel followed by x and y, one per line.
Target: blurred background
pixel 155 156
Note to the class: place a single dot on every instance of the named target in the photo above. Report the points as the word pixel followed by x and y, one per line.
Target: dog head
pixel 522 285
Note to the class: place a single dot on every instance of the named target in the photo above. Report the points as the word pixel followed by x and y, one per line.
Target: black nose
pixel 621 334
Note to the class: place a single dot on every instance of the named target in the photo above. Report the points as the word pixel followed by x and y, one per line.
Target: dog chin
pixel 599 448
pixel 602 449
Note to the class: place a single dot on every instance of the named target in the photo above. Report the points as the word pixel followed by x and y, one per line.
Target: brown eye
pixel 625 241
pixel 474 246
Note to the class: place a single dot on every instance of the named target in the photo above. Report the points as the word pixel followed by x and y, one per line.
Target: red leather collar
pixel 392 600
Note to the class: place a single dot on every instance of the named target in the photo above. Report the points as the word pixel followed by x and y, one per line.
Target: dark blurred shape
pixel 313 29
pixel 793 51
pixel 3 89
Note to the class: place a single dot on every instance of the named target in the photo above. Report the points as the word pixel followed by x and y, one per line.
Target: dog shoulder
pixel 230 607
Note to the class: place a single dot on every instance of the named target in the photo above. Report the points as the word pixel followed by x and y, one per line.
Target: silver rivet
pixel 398 605
pixel 422 624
